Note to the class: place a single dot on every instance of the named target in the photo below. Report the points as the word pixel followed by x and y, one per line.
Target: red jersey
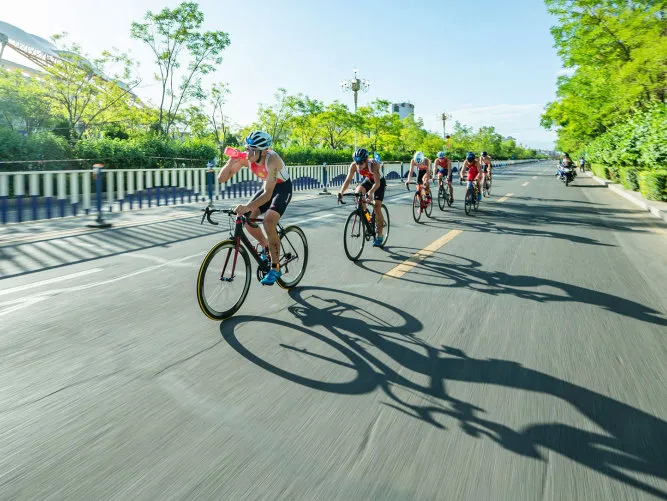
pixel 441 163
pixel 473 171
pixel 366 171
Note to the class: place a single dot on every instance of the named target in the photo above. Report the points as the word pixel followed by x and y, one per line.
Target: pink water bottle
pixel 234 153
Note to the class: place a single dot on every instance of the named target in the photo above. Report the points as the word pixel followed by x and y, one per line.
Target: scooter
pixel 566 174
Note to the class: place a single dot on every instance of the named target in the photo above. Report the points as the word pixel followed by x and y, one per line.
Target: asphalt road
pixel 525 358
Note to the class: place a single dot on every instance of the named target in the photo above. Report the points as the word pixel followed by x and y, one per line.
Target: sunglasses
pixel 358 160
pixel 250 149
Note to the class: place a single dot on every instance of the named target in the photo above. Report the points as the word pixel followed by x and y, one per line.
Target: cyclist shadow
pixel 631 441
pixel 457 271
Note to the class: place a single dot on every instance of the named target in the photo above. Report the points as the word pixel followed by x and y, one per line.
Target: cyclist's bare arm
pixel 348 179
pixel 375 169
pixel 232 166
pixel 412 168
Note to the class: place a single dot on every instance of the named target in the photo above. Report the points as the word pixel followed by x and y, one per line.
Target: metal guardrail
pixel 35 195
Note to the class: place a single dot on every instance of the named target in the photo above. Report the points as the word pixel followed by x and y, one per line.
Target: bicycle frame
pixel 370 228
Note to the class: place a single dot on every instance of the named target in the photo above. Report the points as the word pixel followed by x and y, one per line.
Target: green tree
pixel 89 94
pixel 23 102
pixel 336 125
pixel 175 37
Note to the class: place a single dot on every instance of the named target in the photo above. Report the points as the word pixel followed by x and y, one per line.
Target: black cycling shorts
pixel 379 193
pixel 420 175
pixel 282 194
pixel 447 173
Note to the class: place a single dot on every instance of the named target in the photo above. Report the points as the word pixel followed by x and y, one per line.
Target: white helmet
pixel 419 157
pixel 258 139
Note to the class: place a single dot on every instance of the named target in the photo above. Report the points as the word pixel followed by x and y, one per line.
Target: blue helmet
pixel 419 157
pixel 441 154
pixel 470 156
pixel 360 155
pixel 258 139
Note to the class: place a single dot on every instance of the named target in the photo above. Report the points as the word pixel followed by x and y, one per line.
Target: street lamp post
pixel 355 85
pixel 444 118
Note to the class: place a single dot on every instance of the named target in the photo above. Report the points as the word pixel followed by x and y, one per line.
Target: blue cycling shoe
pixel 271 277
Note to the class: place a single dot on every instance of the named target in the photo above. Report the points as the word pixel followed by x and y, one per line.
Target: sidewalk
pixel 32 231
pixel 657 209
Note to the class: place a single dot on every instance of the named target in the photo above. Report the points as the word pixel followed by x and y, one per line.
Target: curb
pixel 619 190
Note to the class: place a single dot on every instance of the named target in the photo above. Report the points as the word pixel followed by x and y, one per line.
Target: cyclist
pixel 372 186
pixel 423 166
pixel 271 201
pixel 485 160
pixel 444 169
pixel 472 165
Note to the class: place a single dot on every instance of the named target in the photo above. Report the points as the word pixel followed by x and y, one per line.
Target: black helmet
pixel 484 153
pixel 470 156
pixel 360 155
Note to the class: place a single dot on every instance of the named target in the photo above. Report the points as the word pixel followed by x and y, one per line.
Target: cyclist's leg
pixel 377 207
pixel 256 232
pixel 363 189
pixel 282 194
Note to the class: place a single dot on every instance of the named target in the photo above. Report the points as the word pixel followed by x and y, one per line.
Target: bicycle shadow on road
pixel 461 272
pixel 631 444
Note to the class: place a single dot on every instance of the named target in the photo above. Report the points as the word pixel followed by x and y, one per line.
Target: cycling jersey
pixel 366 171
pixel 442 164
pixel 473 171
pixel 260 169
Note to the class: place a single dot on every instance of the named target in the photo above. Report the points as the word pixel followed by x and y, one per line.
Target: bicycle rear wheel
pixel 385 225
pixel 416 208
pixel 223 280
pixel 293 256
pixel 354 236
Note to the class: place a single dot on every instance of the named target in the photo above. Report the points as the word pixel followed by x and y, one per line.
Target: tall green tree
pixel 23 102
pixel 183 54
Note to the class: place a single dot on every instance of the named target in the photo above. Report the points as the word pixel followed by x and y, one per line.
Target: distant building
pixel 403 109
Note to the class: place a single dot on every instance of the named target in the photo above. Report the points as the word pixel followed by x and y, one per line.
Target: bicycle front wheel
pixel 468 201
pixel 429 206
pixel 293 256
pixel 416 208
pixel 354 236
pixel 441 198
pixel 224 280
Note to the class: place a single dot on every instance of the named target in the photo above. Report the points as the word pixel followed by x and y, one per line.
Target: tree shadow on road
pixel 391 358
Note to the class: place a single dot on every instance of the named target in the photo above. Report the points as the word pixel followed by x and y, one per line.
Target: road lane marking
pixel 534 177
pixel 502 199
pixel 526 183
pixel 301 221
pixel 411 262
pixel 24 302
pixel 50 281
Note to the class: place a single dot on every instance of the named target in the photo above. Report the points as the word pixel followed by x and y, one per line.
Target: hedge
pixel 653 184
pixel 629 178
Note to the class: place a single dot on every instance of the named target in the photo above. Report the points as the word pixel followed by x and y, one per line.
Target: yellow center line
pixel 411 262
pixel 502 199
pixel 525 184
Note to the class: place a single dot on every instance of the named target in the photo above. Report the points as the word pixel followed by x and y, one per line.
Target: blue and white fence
pixel 35 195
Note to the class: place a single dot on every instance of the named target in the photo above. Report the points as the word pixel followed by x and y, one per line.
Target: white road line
pixel 311 219
pixel 525 184
pixel 21 303
pixel 50 281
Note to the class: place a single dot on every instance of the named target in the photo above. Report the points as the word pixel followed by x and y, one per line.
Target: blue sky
pixel 483 62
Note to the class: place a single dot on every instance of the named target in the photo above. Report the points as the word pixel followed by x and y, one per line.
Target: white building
pixel 403 109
